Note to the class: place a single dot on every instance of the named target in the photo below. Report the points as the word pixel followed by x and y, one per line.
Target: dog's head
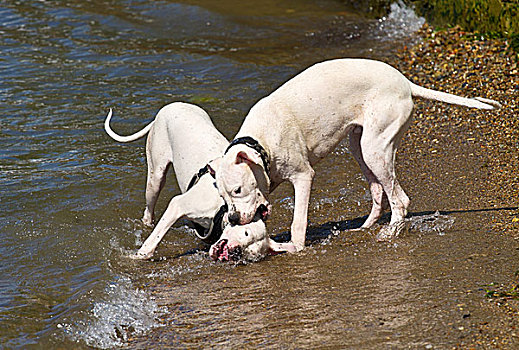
pixel 242 242
pixel 243 183
pixel 248 242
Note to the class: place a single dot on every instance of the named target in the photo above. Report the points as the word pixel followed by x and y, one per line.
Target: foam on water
pixel 433 223
pixel 125 311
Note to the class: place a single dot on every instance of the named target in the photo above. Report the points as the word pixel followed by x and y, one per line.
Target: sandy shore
pixel 452 62
pixel 469 159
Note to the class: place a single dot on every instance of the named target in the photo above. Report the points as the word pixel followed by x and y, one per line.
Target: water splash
pixel 124 312
pixel 433 223
pixel 287 203
pixel 401 22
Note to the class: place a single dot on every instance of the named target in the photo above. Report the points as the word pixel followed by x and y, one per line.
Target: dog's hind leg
pixel 154 184
pixel 378 196
pixel 157 169
pixel 379 151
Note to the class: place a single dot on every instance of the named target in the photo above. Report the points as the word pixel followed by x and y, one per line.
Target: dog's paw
pixel 147 218
pixel 147 222
pixel 296 248
pixel 388 232
pixel 141 256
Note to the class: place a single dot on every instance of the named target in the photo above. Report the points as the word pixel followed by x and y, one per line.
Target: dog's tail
pixel 476 102
pixel 120 138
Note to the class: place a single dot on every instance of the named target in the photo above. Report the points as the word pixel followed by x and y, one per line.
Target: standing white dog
pixel 290 130
pixel 184 136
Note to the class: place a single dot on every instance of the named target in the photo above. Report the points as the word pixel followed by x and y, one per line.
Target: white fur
pixel 184 136
pixel 306 118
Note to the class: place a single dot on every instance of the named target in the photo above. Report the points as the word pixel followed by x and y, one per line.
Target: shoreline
pixel 451 61
pixel 470 157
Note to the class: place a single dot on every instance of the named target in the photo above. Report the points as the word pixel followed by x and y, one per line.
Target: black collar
pixel 255 145
pixel 212 233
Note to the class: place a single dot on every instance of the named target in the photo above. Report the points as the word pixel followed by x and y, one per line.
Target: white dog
pixel 184 136
pixel 290 130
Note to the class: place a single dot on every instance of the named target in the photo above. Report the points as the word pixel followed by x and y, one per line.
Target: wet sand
pixel 465 160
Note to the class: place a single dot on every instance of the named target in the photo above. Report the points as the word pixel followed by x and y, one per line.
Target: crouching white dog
pixel 287 132
pixel 184 136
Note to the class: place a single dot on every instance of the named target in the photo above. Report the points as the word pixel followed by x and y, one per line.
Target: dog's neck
pixel 255 145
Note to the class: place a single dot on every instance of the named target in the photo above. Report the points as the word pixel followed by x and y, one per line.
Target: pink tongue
pixel 224 253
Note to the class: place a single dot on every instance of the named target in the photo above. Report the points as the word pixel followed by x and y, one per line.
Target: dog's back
pixel 192 139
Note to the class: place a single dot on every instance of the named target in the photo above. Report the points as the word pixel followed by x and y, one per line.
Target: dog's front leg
pixel 302 187
pixel 171 215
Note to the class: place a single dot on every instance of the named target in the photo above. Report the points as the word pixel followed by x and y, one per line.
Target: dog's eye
pixel 237 190
pixel 246 234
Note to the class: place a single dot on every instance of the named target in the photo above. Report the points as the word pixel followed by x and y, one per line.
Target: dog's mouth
pixel 221 251
pixel 263 212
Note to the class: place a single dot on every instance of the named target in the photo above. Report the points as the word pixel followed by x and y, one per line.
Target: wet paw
pixel 387 233
pixel 140 256
pixel 296 248
pixel 291 248
pixel 147 218
pixel 147 222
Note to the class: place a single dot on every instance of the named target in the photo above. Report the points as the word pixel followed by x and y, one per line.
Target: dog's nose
pixel 234 218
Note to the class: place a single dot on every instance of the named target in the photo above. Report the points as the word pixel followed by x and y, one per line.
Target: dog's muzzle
pixel 221 251
pixel 262 213
pixel 235 254
pixel 234 218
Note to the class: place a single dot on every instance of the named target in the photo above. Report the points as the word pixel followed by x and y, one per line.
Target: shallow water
pixel 72 198
pixel 346 291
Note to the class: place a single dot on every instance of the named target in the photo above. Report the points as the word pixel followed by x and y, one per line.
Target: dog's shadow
pixel 318 233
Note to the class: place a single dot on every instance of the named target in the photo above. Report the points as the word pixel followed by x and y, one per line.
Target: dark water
pixel 71 198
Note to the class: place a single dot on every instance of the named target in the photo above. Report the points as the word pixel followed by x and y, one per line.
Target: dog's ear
pixel 250 157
